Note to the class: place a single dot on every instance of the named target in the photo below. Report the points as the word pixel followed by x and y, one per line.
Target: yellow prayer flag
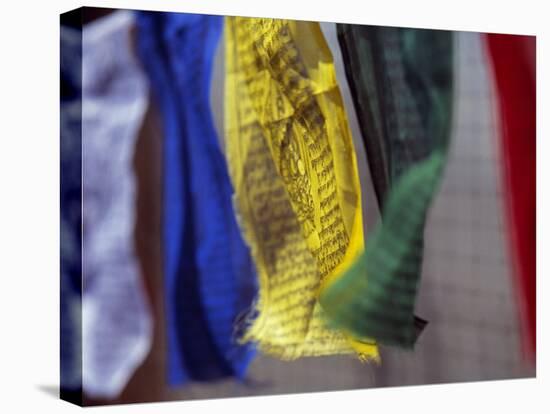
pixel 294 170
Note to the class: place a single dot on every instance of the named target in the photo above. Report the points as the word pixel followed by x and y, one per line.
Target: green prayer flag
pixel 401 81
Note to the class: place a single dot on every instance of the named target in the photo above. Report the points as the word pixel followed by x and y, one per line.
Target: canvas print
pixel 259 206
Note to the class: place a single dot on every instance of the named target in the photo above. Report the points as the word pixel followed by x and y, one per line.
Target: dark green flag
pixel 401 82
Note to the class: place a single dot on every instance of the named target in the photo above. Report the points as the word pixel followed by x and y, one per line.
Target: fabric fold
pixel 209 276
pixel 401 82
pixel 71 210
pixel 116 320
pixel 513 61
pixel 293 166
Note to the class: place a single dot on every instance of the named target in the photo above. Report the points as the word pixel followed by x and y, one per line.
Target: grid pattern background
pixel 467 291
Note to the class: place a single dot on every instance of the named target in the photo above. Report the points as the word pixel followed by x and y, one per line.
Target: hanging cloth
pixel 209 275
pixel 513 63
pixel 401 82
pixel 71 210
pixel 294 170
pixel 116 320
